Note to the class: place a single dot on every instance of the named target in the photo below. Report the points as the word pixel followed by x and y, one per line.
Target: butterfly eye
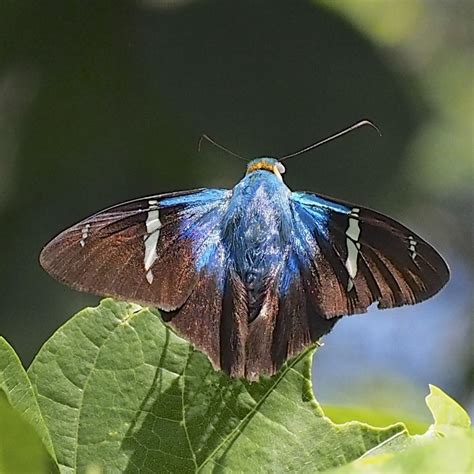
pixel 281 169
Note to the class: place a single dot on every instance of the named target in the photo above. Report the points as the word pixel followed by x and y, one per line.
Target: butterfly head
pixel 267 164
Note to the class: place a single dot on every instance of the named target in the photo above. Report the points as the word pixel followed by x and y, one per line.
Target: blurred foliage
pixel 103 102
pixel 440 456
pixel 373 416
pixel 21 449
pixel 18 394
pixel 445 447
pixel 432 42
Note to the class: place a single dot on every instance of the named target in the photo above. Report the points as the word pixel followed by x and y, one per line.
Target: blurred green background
pixel 101 102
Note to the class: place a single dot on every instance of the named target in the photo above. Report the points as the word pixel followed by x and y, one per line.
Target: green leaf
pixel 19 393
pixel 118 389
pixel 447 445
pixel 21 448
pixel 450 418
pixel 441 456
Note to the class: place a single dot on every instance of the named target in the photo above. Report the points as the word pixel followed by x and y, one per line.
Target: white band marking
pixel 353 231
pixel 153 226
pixel 412 247
pixel 85 233
pixel 353 246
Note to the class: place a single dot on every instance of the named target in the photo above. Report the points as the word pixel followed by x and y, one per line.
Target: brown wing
pixel 147 250
pixel 355 257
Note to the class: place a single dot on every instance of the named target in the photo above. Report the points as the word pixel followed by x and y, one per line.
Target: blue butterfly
pixel 251 275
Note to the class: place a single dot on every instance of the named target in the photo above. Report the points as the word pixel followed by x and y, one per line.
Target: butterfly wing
pixel 150 250
pixel 352 257
pixel 168 251
pixel 342 259
pixel 290 318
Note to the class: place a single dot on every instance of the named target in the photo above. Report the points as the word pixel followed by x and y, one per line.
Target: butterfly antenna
pixel 223 148
pixel 362 123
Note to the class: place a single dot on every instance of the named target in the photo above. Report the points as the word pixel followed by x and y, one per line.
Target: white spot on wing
pixel 412 247
pixel 153 226
pixel 85 233
pixel 149 276
pixel 153 222
pixel 353 246
pixel 351 262
pixel 353 231
pixel 151 242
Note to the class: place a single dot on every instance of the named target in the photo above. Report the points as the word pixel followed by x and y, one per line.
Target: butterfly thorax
pixel 256 232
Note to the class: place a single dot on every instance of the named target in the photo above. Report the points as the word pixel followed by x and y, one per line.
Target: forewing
pixel 150 250
pixel 351 257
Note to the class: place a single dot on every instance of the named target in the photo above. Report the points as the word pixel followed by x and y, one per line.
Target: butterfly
pixel 253 275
